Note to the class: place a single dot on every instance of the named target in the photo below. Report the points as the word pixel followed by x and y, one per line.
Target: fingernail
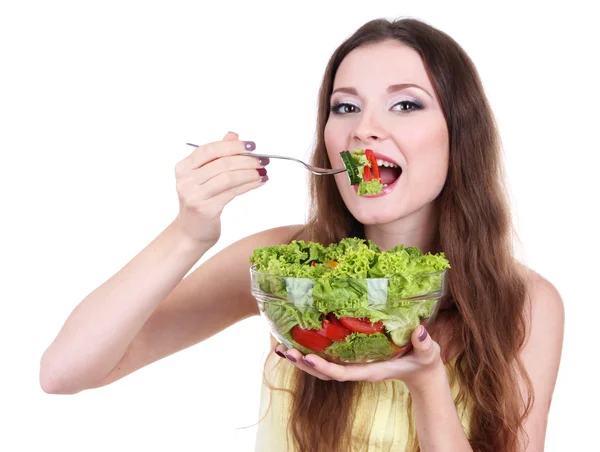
pixel 279 353
pixel 290 357
pixel 307 361
pixel 250 145
pixel 264 161
pixel 423 334
pixel 264 179
pixel 262 172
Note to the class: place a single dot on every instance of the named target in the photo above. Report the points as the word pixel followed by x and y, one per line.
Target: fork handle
pixel 308 167
pixel 255 155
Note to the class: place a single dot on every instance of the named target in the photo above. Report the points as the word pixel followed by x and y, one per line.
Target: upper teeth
pixel 386 163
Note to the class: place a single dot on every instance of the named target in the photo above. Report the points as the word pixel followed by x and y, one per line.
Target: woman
pixel 481 379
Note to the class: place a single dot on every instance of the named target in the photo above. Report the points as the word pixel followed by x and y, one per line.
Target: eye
pixel 344 108
pixel 407 106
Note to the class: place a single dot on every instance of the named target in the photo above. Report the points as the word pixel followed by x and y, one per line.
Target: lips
pixel 385 158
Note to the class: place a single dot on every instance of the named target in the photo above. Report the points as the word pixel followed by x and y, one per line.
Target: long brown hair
pixel 486 284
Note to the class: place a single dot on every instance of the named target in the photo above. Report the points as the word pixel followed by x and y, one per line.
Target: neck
pixel 419 229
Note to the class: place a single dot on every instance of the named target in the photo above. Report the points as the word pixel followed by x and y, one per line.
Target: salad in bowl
pixel 348 302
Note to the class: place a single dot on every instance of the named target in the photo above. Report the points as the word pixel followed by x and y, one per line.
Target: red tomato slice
pixel 362 325
pixel 375 168
pixel 332 318
pixel 310 339
pixel 334 330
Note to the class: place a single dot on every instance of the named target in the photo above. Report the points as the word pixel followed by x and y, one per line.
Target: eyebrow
pixel 391 89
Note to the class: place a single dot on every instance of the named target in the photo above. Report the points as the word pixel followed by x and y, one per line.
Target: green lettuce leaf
pixel 292 259
pixel 404 318
pixel 371 187
pixel 335 295
pixel 359 346
pixel 284 316
pixel 359 158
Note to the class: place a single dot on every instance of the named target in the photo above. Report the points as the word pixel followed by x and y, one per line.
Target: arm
pixel 146 312
pixel 438 425
pixel 97 333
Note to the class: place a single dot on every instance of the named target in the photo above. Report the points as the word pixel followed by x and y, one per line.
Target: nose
pixel 369 129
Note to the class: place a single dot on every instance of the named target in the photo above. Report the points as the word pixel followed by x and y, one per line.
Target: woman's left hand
pixel 415 368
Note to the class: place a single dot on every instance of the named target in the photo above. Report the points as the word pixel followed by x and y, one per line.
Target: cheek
pixel 334 143
pixel 430 135
pixel 428 176
pixel 329 135
pixel 337 132
pixel 428 163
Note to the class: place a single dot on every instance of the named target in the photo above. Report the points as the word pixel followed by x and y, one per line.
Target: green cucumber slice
pixel 351 167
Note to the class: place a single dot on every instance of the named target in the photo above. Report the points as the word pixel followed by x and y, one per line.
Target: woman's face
pixel 372 108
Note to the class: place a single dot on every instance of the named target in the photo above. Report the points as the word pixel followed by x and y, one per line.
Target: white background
pixel 97 101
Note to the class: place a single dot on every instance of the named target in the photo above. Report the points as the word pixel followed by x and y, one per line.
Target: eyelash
pixel 335 108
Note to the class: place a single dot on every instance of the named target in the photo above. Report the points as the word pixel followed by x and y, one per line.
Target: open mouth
pixel 389 171
pixel 370 172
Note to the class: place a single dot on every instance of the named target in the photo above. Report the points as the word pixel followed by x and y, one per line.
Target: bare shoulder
pixel 277 236
pixel 543 298
pixel 541 353
pixel 544 311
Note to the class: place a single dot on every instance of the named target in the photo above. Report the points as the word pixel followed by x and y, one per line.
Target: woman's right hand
pixel 210 177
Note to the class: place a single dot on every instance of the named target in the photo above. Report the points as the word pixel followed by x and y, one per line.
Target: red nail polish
pixel 262 172
pixel 249 145
pixel 279 353
pixel 290 357
pixel 423 334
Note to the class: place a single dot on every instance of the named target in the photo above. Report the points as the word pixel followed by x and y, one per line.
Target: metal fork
pixel 313 169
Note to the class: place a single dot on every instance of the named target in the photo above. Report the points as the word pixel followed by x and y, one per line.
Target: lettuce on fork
pixel 306 281
pixel 363 171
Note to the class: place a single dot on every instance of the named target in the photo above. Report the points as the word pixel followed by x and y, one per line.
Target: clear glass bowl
pixel 327 316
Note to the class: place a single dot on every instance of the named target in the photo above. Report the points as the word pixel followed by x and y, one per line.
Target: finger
pixel 424 346
pixel 228 180
pixel 230 136
pixel 296 358
pixel 353 372
pixel 228 195
pixel 212 151
pixel 205 173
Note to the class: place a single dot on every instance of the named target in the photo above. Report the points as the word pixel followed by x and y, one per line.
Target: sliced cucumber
pixel 351 167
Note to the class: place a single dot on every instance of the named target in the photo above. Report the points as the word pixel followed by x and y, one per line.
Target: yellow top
pixel 381 417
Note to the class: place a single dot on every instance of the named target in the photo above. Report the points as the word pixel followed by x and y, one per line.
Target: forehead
pixel 385 63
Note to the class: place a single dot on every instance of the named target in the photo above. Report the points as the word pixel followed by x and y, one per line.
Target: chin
pixel 367 216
